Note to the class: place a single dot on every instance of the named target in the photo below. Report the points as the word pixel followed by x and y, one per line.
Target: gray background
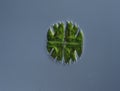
pixel 24 62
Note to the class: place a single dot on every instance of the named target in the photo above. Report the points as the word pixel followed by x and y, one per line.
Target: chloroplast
pixel 65 42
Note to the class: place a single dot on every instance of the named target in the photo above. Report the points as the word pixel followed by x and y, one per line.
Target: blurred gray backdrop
pixel 24 62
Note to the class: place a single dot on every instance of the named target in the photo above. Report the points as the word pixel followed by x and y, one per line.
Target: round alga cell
pixel 65 42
